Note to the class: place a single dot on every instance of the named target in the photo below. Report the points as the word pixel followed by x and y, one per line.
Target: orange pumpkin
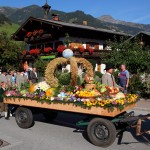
pixel 31 89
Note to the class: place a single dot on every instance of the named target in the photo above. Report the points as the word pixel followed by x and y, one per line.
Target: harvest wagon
pixel 101 123
pixel 104 106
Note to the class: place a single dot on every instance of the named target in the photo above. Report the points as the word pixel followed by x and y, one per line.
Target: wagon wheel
pixel 101 132
pixel 24 117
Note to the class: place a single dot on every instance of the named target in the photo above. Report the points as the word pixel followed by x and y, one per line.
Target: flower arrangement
pixel 40 32
pixel 81 49
pixel 41 85
pixel 72 47
pixel 61 48
pixel 91 50
pixel 35 32
pixel 81 97
pixel 47 49
pixel 35 51
pixel 120 103
pixel 29 34
pixel 75 46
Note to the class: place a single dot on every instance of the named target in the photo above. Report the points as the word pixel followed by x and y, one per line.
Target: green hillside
pixel 9 28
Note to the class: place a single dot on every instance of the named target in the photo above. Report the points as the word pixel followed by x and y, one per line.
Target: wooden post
pixel 138 127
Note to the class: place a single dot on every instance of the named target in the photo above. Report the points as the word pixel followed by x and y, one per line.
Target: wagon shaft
pixel 139 125
pixel 135 118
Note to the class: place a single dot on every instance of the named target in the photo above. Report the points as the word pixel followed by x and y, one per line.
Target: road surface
pixel 61 135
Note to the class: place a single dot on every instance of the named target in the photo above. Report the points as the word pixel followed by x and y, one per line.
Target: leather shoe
pixel 7 118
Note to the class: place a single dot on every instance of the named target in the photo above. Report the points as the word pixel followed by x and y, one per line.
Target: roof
pixel 142 36
pixel 141 32
pixel 84 27
pixel 64 24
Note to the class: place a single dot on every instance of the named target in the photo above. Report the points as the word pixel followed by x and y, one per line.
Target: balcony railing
pixel 94 54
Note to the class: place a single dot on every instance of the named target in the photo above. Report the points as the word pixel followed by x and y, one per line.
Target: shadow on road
pixel 63 119
pixel 66 120
pixel 70 120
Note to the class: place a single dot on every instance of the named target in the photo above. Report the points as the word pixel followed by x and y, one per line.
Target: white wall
pixel 103 66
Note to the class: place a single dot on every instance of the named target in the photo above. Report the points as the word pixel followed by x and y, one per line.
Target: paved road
pixel 60 135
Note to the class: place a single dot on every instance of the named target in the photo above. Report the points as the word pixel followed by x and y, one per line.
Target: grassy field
pixel 9 28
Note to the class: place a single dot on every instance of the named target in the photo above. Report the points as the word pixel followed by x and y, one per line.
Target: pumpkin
pixel 31 89
pixel 50 92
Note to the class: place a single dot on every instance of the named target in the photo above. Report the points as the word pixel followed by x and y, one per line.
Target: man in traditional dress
pixel 21 78
pixel 108 79
pixel 33 76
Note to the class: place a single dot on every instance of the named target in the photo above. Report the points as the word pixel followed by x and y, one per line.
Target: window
pixel 58 43
pixel 49 45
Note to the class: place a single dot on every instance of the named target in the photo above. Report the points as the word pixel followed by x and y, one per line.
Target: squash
pixel 31 89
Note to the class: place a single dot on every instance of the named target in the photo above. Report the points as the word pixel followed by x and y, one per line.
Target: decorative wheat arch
pixel 52 66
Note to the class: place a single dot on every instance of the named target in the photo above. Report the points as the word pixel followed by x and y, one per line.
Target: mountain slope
pixel 19 15
pixel 4 19
pixel 110 21
pixel 7 11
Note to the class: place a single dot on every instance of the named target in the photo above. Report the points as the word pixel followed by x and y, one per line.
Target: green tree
pixel 41 66
pixel 9 51
pixel 130 53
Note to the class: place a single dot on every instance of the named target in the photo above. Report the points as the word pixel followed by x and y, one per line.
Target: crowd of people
pixel 11 78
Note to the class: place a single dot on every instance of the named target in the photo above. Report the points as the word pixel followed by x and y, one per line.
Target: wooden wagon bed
pixel 67 107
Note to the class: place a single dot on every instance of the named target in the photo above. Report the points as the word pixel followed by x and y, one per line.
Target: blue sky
pixel 128 10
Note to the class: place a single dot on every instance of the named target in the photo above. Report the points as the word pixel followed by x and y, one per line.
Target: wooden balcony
pixel 87 54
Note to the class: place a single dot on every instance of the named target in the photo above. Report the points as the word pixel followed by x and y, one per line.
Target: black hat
pixel 55 15
pixel 4 70
pixel 108 66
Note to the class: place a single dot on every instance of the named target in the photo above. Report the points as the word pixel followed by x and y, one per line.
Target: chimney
pixel 85 23
pixel 55 17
